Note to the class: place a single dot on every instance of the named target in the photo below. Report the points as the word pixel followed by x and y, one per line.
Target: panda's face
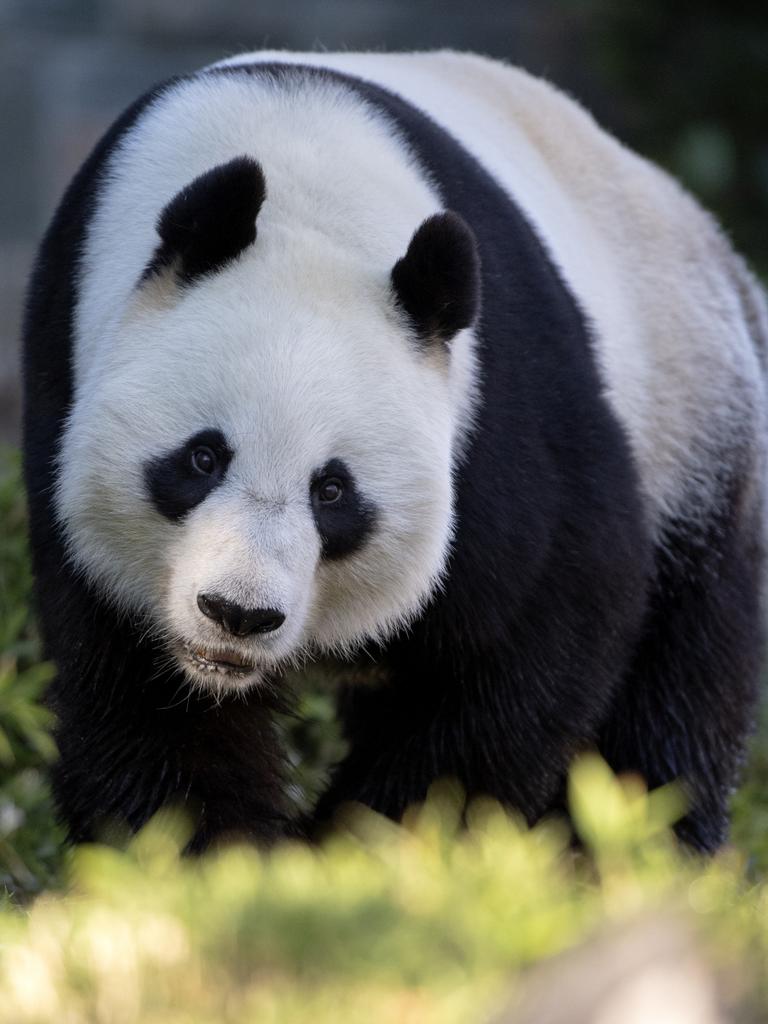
pixel 259 456
pixel 261 461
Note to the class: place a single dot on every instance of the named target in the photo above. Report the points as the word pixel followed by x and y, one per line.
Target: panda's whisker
pixel 184 690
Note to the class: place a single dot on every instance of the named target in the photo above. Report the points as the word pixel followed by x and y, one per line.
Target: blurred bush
pixel 384 923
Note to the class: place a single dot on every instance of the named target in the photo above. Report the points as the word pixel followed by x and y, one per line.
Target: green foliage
pixel 312 735
pixel 749 830
pixel 30 843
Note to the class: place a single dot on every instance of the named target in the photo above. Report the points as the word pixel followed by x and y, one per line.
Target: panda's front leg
pixel 396 755
pixel 499 729
pixel 126 752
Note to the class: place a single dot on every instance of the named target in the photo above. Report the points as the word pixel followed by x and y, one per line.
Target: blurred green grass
pixel 422 922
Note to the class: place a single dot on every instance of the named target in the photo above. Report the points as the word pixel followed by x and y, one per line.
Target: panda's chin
pixel 218 670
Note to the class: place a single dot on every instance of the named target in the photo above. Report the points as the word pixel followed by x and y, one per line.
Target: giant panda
pixel 397 361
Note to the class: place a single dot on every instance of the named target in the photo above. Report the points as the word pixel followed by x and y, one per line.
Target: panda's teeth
pixel 230 665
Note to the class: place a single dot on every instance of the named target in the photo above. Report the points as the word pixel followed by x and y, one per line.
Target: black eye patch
pixel 344 517
pixel 181 479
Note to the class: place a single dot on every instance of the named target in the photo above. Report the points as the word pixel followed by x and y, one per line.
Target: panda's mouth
pixel 229 662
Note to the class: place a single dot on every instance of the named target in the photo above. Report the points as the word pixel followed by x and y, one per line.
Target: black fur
pixel 345 525
pixel 559 626
pixel 437 282
pixel 210 221
pixel 175 486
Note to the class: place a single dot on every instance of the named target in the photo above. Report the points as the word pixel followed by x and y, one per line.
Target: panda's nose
pixel 237 620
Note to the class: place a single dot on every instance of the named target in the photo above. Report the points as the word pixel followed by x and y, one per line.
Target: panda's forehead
pixel 237 342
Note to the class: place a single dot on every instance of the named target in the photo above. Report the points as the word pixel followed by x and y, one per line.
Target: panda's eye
pixel 203 460
pixel 344 517
pixel 179 480
pixel 329 490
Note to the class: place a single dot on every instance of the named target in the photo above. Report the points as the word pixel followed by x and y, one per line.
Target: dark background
pixel 684 83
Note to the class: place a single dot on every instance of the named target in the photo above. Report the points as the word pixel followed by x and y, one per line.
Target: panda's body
pixel 544 525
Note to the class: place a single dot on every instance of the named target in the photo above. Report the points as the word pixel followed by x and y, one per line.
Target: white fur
pixel 296 353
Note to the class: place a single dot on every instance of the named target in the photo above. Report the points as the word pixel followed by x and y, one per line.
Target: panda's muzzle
pixel 239 621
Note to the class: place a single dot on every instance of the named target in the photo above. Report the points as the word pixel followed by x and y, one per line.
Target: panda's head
pixel 259 458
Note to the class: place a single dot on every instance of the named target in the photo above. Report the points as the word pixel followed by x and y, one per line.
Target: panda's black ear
pixel 210 221
pixel 437 282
